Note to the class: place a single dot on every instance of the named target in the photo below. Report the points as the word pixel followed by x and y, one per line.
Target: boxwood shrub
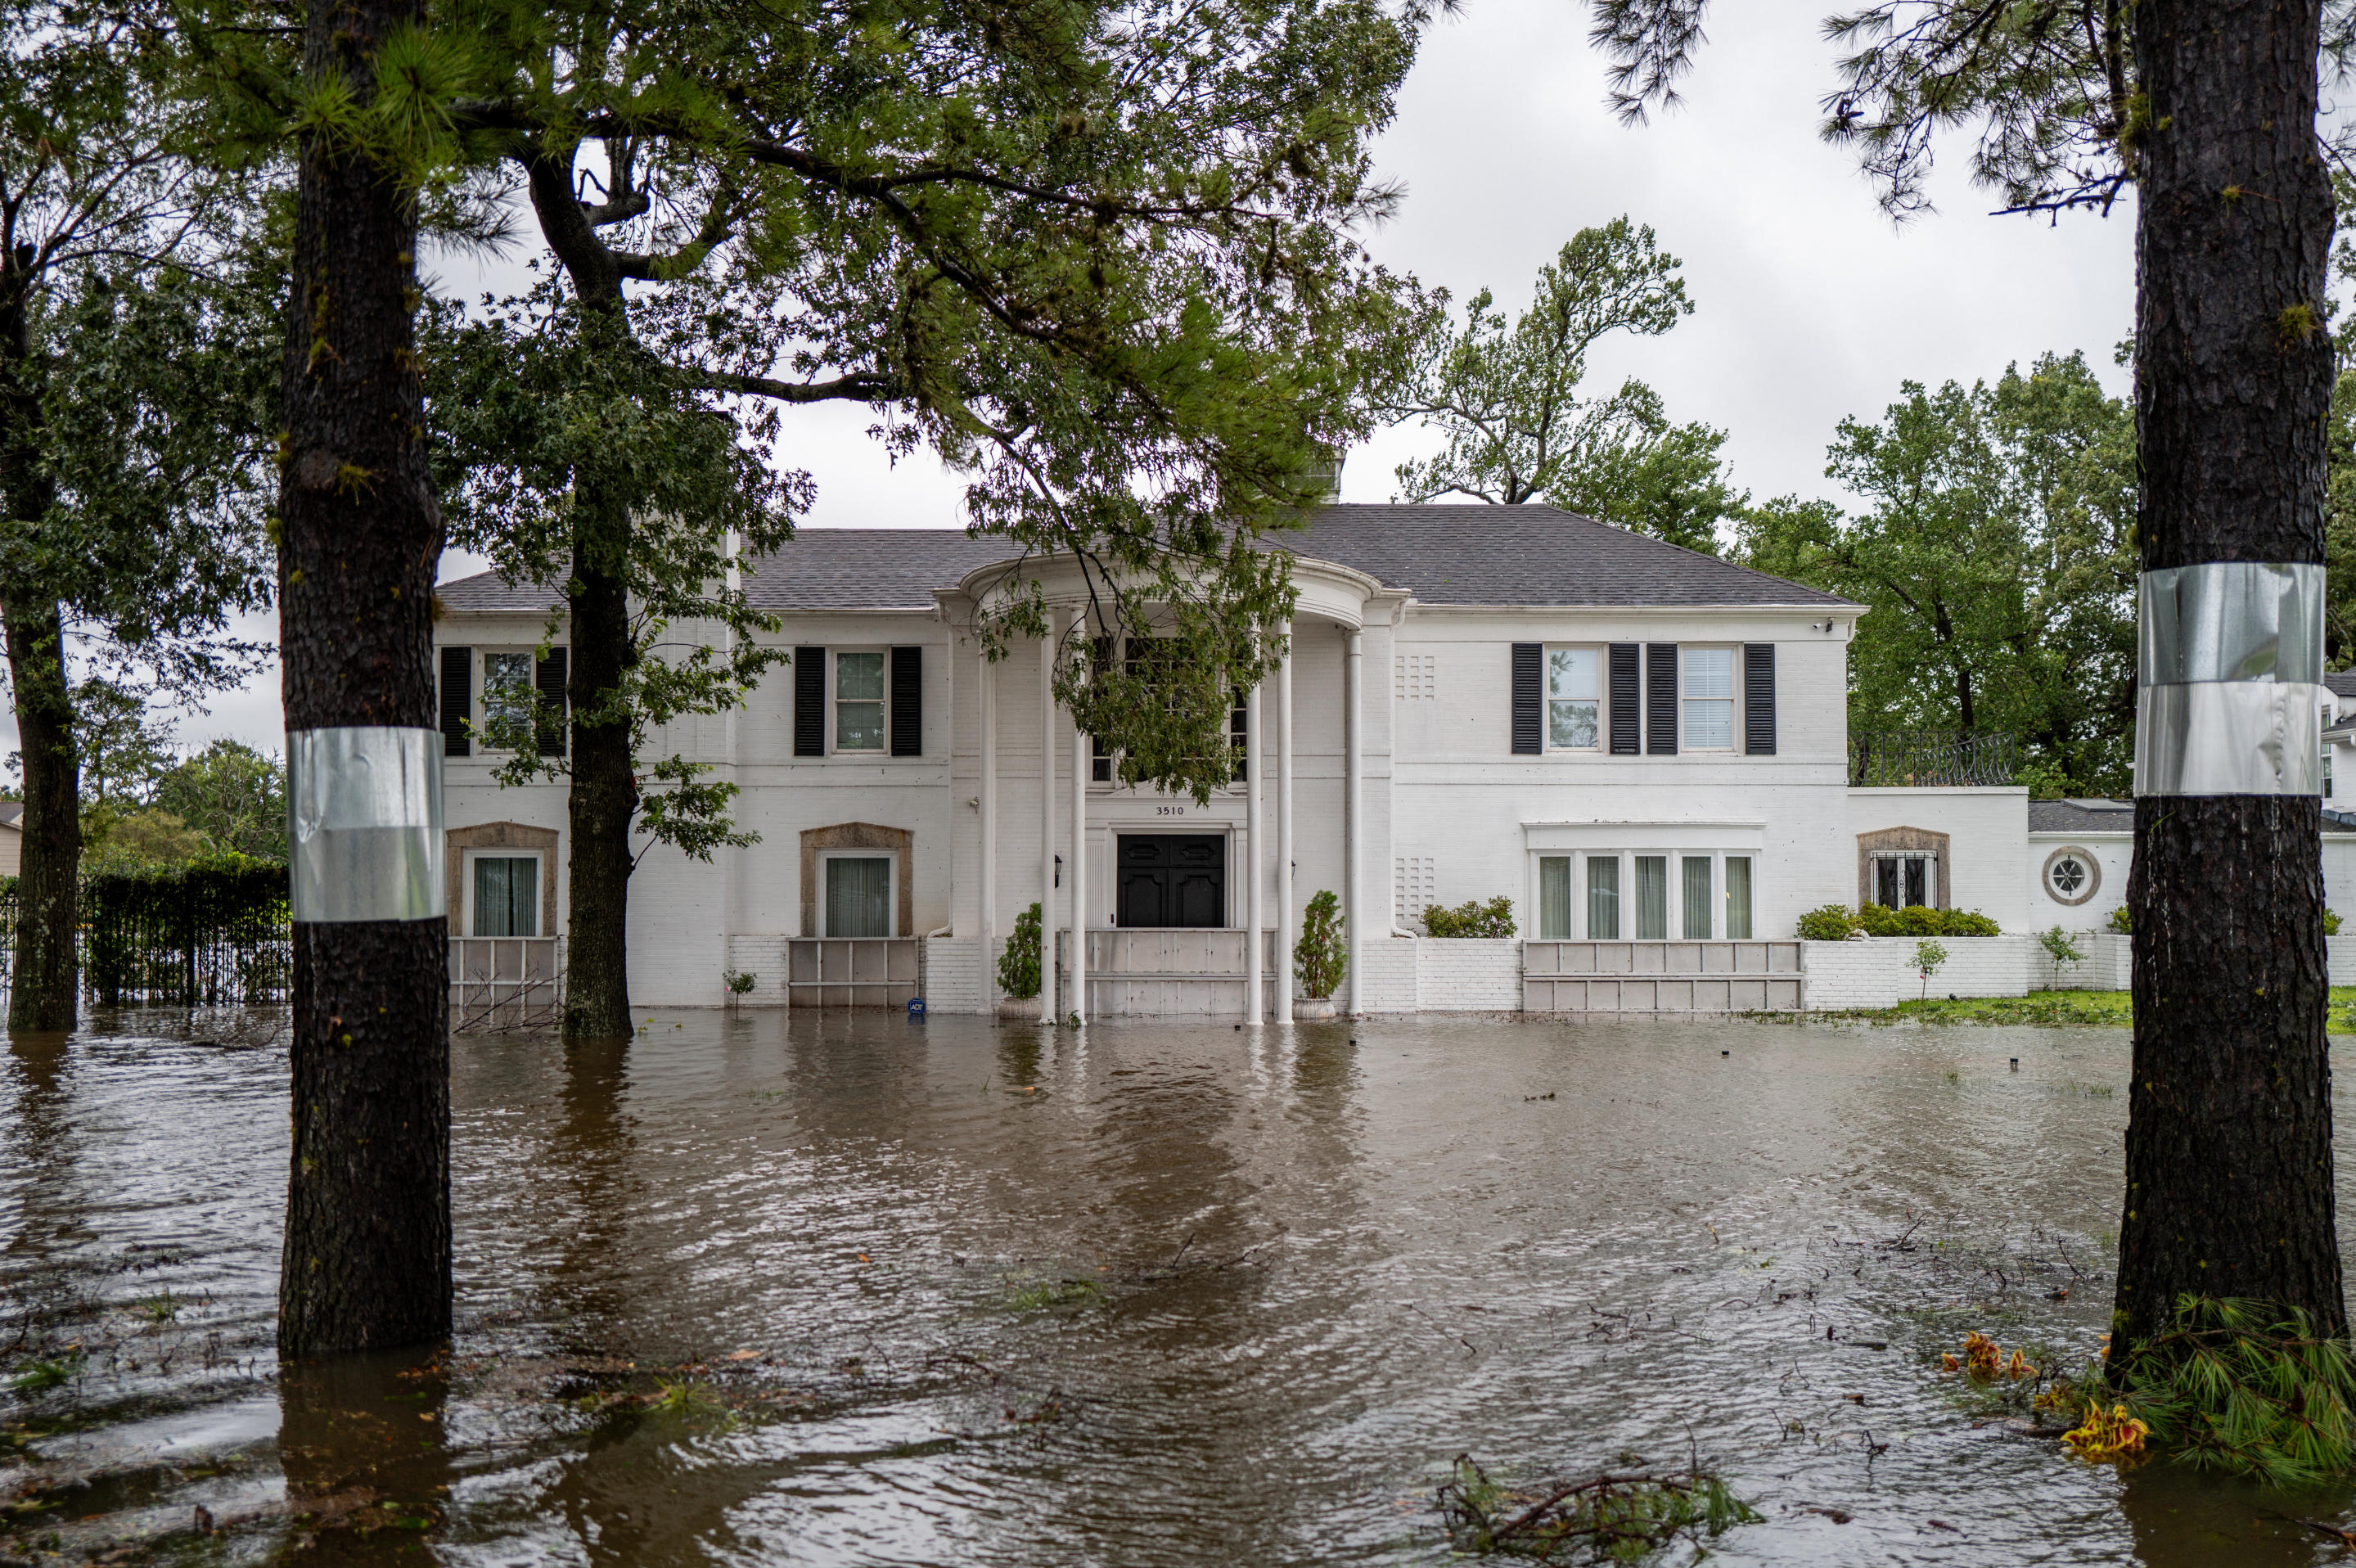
pixel 1833 922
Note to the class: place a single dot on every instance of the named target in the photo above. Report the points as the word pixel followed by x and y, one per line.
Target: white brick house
pixel 1643 748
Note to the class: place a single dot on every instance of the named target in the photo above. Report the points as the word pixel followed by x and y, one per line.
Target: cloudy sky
pixel 1812 304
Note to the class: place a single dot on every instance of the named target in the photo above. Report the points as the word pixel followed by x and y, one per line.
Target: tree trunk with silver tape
pixel 367 1257
pixel 2229 1140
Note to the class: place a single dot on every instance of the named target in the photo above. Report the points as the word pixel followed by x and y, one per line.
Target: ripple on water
pixel 1160 1295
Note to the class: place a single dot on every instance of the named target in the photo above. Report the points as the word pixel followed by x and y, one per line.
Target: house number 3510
pixel 1169 810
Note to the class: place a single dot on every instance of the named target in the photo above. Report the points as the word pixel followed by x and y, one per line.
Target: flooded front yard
pixel 857 1290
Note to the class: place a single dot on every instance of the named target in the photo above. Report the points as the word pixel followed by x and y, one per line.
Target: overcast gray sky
pixel 1811 305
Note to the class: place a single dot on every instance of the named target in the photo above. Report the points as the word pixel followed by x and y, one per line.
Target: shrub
pixel 1928 956
pixel 2330 922
pixel 1319 956
pixel 1969 923
pixel 2059 948
pixel 1471 919
pixel 740 983
pixel 1830 923
pixel 1876 921
pixel 1018 963
pixel 2121 921
pixel 1922 920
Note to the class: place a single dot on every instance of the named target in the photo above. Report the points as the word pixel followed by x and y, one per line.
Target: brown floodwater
pixel 855 1289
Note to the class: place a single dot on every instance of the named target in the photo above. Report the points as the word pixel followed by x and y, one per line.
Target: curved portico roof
pixel 1455 554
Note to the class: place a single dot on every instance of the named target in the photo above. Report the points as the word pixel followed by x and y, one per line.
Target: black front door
pixel 1173 879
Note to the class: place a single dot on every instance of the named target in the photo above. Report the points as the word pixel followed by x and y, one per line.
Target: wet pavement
pixel 852 1289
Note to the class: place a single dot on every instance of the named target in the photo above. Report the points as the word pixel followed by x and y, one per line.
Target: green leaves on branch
pixel 1505 396
pixel 2244 1387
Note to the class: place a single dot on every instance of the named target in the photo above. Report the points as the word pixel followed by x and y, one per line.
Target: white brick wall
pixel 1879 971
pixel 763 957
pixel 954 975
pixel 1389 966
pixel 1468 974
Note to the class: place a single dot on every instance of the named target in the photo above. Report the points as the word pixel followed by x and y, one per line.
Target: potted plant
pixel 1319 959
pixel 1018 969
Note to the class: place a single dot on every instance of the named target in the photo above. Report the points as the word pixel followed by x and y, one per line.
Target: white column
pixel 1081 760
pixel 1354 825
pixel 1047 824
pixel 1256 920
pixel 985 702
pixel 1284 829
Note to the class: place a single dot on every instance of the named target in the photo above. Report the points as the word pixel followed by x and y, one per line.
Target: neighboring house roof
pixel 2341 683
pixel 12 814
pixel 2081 816
pixel 2343 726
pixel 1444 554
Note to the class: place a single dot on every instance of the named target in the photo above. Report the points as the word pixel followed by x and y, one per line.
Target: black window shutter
pixel 1661 698
pixel 1759 698
pixel 549 677
pixel 907 702
pixel 1529 707
pixel 458 700
pixel 810 701
pixel 1626 698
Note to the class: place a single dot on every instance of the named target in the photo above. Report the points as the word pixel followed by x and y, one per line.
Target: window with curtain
pixel 1707 687
pixel 859 702
pixel 1651 898
pixel 1603 897
pixel 859 896
pixel 507 895
pixel 1554 898
pixel 1903 880
pixel 1738 897
pixel 1696 897
pixel 1571 703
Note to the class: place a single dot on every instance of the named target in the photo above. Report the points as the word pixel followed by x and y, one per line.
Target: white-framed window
pixel 1900 878
pixel 502 892
pixel 1574 699
pixel 861 699
pixel 1641 895
pixel 855 893
pixel 1707 695
pixel 510 699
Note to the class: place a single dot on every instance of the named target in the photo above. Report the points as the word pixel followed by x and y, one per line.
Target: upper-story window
pixel 1574 708
pixel 510 698
pixel 859 701
pixel 1708 699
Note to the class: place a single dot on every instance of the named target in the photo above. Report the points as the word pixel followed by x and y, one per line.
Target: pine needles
pixel 2245 1387
pixel 1604 1518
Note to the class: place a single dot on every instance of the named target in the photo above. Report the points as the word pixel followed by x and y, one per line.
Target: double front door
pixel 1171 879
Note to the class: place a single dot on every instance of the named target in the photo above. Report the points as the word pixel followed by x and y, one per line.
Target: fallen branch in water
pixel 1604 1517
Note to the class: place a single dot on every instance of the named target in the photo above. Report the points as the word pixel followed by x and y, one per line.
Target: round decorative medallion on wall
pixel 2072 875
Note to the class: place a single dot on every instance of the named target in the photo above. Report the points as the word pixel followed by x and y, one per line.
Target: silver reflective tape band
pixel 2229 737
pixel 364 823
pixel 2229 621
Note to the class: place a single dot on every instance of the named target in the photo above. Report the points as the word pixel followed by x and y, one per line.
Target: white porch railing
pixel 1661 977
pixel 853 972
pixel 498 984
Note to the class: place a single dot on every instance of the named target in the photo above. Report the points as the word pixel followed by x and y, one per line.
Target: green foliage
pixel 1828 923
pixel 1321 953
pixel 124 747
pixel 232 796
pixel 739 983
pixel 2330 922
pixel 140 839
pixel 1618 1516
pixel 2122 920
pixel 201 933
pixel 1018 962
pixel 2059 948
pixel 1506 399
pixel 1471 919
pixel 2245 1387
pixel 1929 956
pixel 1918 920
pixel 1994 553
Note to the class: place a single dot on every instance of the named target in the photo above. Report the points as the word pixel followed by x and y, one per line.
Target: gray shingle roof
pixel 2341 683
pixel 2086 816
pixel 1444 554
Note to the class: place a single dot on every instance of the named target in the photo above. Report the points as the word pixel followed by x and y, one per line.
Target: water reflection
pixel 851 1289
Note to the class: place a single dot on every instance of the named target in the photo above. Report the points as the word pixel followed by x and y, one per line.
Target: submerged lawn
pixel 2049 1009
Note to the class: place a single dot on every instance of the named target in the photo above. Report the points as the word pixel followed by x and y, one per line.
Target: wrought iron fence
pixel 1929 758
pixel 195 936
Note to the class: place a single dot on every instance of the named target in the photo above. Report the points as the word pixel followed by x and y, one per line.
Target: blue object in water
pixel 915 1007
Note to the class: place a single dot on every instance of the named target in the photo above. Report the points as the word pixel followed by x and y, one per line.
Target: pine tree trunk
pixel 604 799
pixel 367 1258
pixel 45 983
pixel 2229 1135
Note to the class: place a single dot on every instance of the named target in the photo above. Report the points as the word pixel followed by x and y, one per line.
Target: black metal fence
pixel 201 935
pixel 1928 757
